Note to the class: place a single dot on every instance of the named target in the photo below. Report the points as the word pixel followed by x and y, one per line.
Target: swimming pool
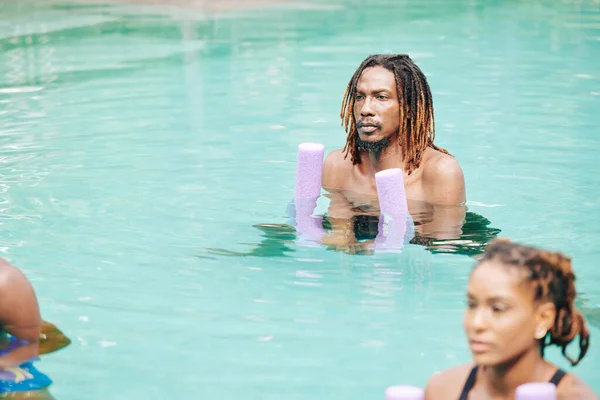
pixel 148 156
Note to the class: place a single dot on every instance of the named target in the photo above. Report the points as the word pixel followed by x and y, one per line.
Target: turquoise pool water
pixel 147 152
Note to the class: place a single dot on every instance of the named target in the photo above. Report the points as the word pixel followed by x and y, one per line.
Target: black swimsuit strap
pixel 464 395
pixel 469 384
pixel 558 375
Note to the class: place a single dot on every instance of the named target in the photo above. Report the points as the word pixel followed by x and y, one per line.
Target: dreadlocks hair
pixel 551 278
pixel 417 124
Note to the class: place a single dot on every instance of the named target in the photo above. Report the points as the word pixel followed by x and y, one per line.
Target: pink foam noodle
pixel 395 227
pixel 309 228
pixel 391 192
pixel 309 169
pixel 394 233
pixel 404 393
pixel 536 391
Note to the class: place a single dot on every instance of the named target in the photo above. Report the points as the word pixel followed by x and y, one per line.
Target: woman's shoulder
pixel 573 388
pixel 448 384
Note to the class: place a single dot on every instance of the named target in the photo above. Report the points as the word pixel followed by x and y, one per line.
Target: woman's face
pixel 502 320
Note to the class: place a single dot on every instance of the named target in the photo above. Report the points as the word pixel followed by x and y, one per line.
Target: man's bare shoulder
pixel 443 178
pixel 572 387
pixel 447 384
pixel 438 165
pixel 336 169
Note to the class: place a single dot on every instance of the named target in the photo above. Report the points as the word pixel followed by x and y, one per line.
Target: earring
pixel 540 333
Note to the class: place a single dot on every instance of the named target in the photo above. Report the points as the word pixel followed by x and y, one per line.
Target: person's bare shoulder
pixel 336 169
pixel 12 279
pixel 19 309
pixel 443 179
pixel 447 384
pixel 573 388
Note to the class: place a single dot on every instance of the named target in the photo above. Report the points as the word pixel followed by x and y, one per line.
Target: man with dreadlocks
pixel 387 112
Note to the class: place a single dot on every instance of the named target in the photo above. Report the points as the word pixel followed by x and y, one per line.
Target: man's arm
pixel 333 180
pixel 19 315
pixel 445 189
pixel 339 212
pixel 333 176
pixel 444 182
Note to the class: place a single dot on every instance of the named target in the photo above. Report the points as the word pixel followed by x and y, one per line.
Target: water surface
pixel 136 138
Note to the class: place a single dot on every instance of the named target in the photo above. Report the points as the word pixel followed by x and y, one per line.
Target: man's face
pixel 376 107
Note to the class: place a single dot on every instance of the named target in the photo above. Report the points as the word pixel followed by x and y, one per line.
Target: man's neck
pixel 503 380
pixel 375 161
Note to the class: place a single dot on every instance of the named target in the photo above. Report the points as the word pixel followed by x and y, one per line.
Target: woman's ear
pixel 545 317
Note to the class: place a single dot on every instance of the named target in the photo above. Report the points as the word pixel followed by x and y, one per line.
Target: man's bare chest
pixel 361 189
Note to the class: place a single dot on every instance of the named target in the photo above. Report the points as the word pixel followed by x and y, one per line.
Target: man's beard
pixel 375 147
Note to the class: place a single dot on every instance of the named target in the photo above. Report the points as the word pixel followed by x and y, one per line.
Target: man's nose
pixel 367 108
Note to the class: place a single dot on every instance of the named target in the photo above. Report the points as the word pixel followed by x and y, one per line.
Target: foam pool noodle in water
pixel 396 226
pixel 404 393
pixel 309 169
pixel 536 391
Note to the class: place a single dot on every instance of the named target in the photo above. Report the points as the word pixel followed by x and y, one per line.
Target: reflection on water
pixel 476 234
pixel 359 233
pixel 352 224
pixel 278 240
